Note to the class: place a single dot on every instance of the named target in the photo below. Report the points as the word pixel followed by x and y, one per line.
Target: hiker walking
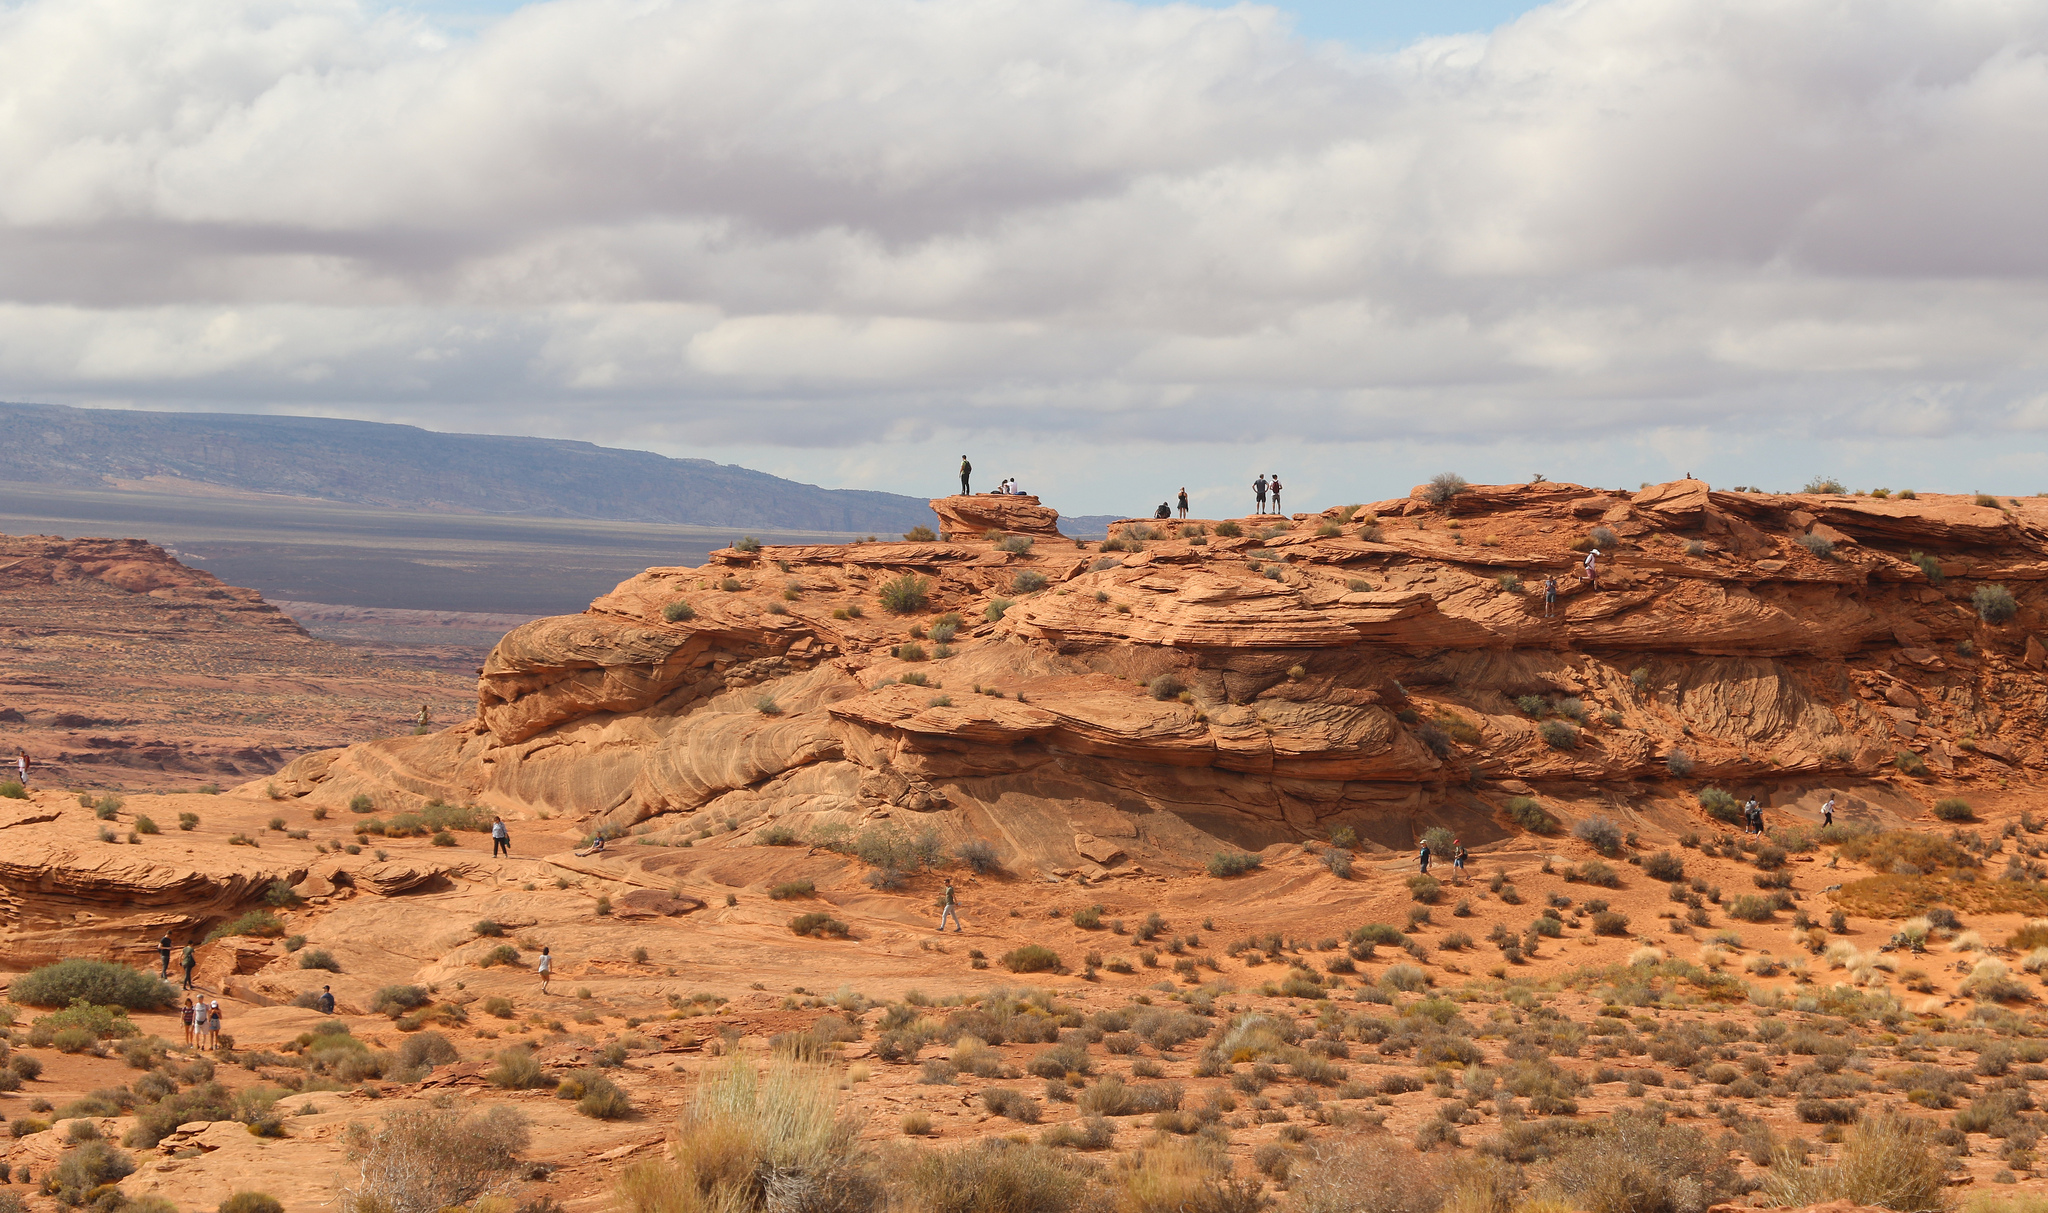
pixel 1259 494
pixel 326 1000
pixel 1422 858
pixel 1458 861
pixel 1275 487
pixel 1183 501
pixel 1827 813
pixel 1752 818
pixel 21 765
pixel 191 959
pixel 501 838
pixel 546 969
pixel 966 470
pixel 1549 595
pixel 1593 569
pixel 947 910
pixel 163 951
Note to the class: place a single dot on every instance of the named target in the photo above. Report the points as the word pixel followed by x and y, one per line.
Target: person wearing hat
pixel 1593 569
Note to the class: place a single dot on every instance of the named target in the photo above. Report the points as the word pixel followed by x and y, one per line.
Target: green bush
pixel 94 981
pixel 1443 486
pixel 1720 805
pixel 1032 958
pixel 260 923
pixel 13 790
pixel 905 594
pixel 319 958
pixel 396 1000
pixel 83 1170
pixel 1526 813
pixel 679 612
pixel 1232 863
pixel 791 890
pixel 1751 907
pixel 1953 808
pixel 517 1070
pixel 502 954
pixel 1994 603
pixel 251 1202
pixel 748 544
pixel 996 608
pixel 1560 735
pixel 144 825
pixel 1027 581
pixel 776 836
pixel 1928 565
pixel 1664 866
pixel 920 534
pixel 1909 763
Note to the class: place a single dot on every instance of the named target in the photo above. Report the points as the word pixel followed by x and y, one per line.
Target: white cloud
pixel 838 222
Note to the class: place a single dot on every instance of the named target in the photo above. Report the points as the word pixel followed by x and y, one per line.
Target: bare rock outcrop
pixel 1384 667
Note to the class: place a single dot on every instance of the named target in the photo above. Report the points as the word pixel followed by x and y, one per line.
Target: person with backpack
pixel 163 952
pixel 501 838
pixel 1162 513
pixel 326 1000
pixel 966 470
pixel 191 960
pixel 947 909
pixel 1259 494
pixel 1274 487
pixel 1183 501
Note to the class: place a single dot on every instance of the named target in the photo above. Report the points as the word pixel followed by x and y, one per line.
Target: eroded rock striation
pixel 1239 683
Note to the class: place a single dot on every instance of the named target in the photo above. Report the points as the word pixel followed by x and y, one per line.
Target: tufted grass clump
pixel 920 534
pixel 1526 813
pixel 1226 864
pixel 679 612
pixel 906 594
pixel 1443 486
pixel 1994 603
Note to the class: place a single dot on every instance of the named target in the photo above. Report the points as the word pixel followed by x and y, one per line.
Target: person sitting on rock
pixel 1163 512
pixel 595 848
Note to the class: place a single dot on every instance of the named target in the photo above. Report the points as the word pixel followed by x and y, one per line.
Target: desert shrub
pixel 1427 890
pixel 790 890
pixel 246 1202
pixel 1664 866
pixel 1819 545
pixel 1600 833
pixel 100 982
pixel 1559 734
pixel 358 803
pixel 678 612
pixel 996 609
pixel 319 958
pixel 1824 484
pixel 1909 763
pixel 422 1158
pixel 1679 763
pixel 1165 686
pixel 1232 863
pixel 751 1141
pixel 1338 860
pixel 1443 486
pixel 1751 907
pixel 1000 1176
pixel 517 1070
pixel 1027 581
pixel 1610 922
pixel 1228 529
pixel 776 836
pixel 596 1096
pixel 920 534
pixel 1526 813
pixel 1720 805
pixel 426 1050
pixel 819 925
pixel 977 854
pixel 1890 1162
pixel 1994 603
pixel 905 594
pixel 258 923
pixel 88 1166
pixel 1634 1163
pixel 1365 1174
pixel 1032 958
pixel 1953 808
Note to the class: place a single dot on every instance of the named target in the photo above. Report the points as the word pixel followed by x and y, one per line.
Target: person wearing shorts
pixel 185 1018
pixel 1458 860
pixel 546 969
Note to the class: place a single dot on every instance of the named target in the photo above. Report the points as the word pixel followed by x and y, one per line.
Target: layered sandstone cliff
pixel 1385 667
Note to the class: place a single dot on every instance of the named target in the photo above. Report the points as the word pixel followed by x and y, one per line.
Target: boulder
pixel 971 517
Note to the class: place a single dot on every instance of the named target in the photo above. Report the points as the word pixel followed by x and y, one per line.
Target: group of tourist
pixel 1008 488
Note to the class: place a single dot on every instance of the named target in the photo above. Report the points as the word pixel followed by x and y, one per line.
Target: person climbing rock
pixel 501 838
pixel 947 910
pixel 1593 569
pixel 1183 501
pixel 1259 494
pixel 966 470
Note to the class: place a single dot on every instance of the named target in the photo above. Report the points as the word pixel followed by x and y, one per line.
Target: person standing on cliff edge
pixel 966 470
pixel 1183 501
pixel 1259 494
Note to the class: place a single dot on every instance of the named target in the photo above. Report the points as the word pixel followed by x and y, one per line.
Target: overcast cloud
pixel 1095 244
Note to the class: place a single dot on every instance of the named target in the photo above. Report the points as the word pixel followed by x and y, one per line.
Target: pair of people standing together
pixel 1260 488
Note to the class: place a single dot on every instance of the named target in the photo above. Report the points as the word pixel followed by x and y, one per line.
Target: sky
pixel 1109 248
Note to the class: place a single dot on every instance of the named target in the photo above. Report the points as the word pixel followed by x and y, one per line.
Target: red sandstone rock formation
pixel 972 517
pixel 1386 668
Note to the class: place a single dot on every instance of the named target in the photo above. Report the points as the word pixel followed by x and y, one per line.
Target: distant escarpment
pixel 1190 686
